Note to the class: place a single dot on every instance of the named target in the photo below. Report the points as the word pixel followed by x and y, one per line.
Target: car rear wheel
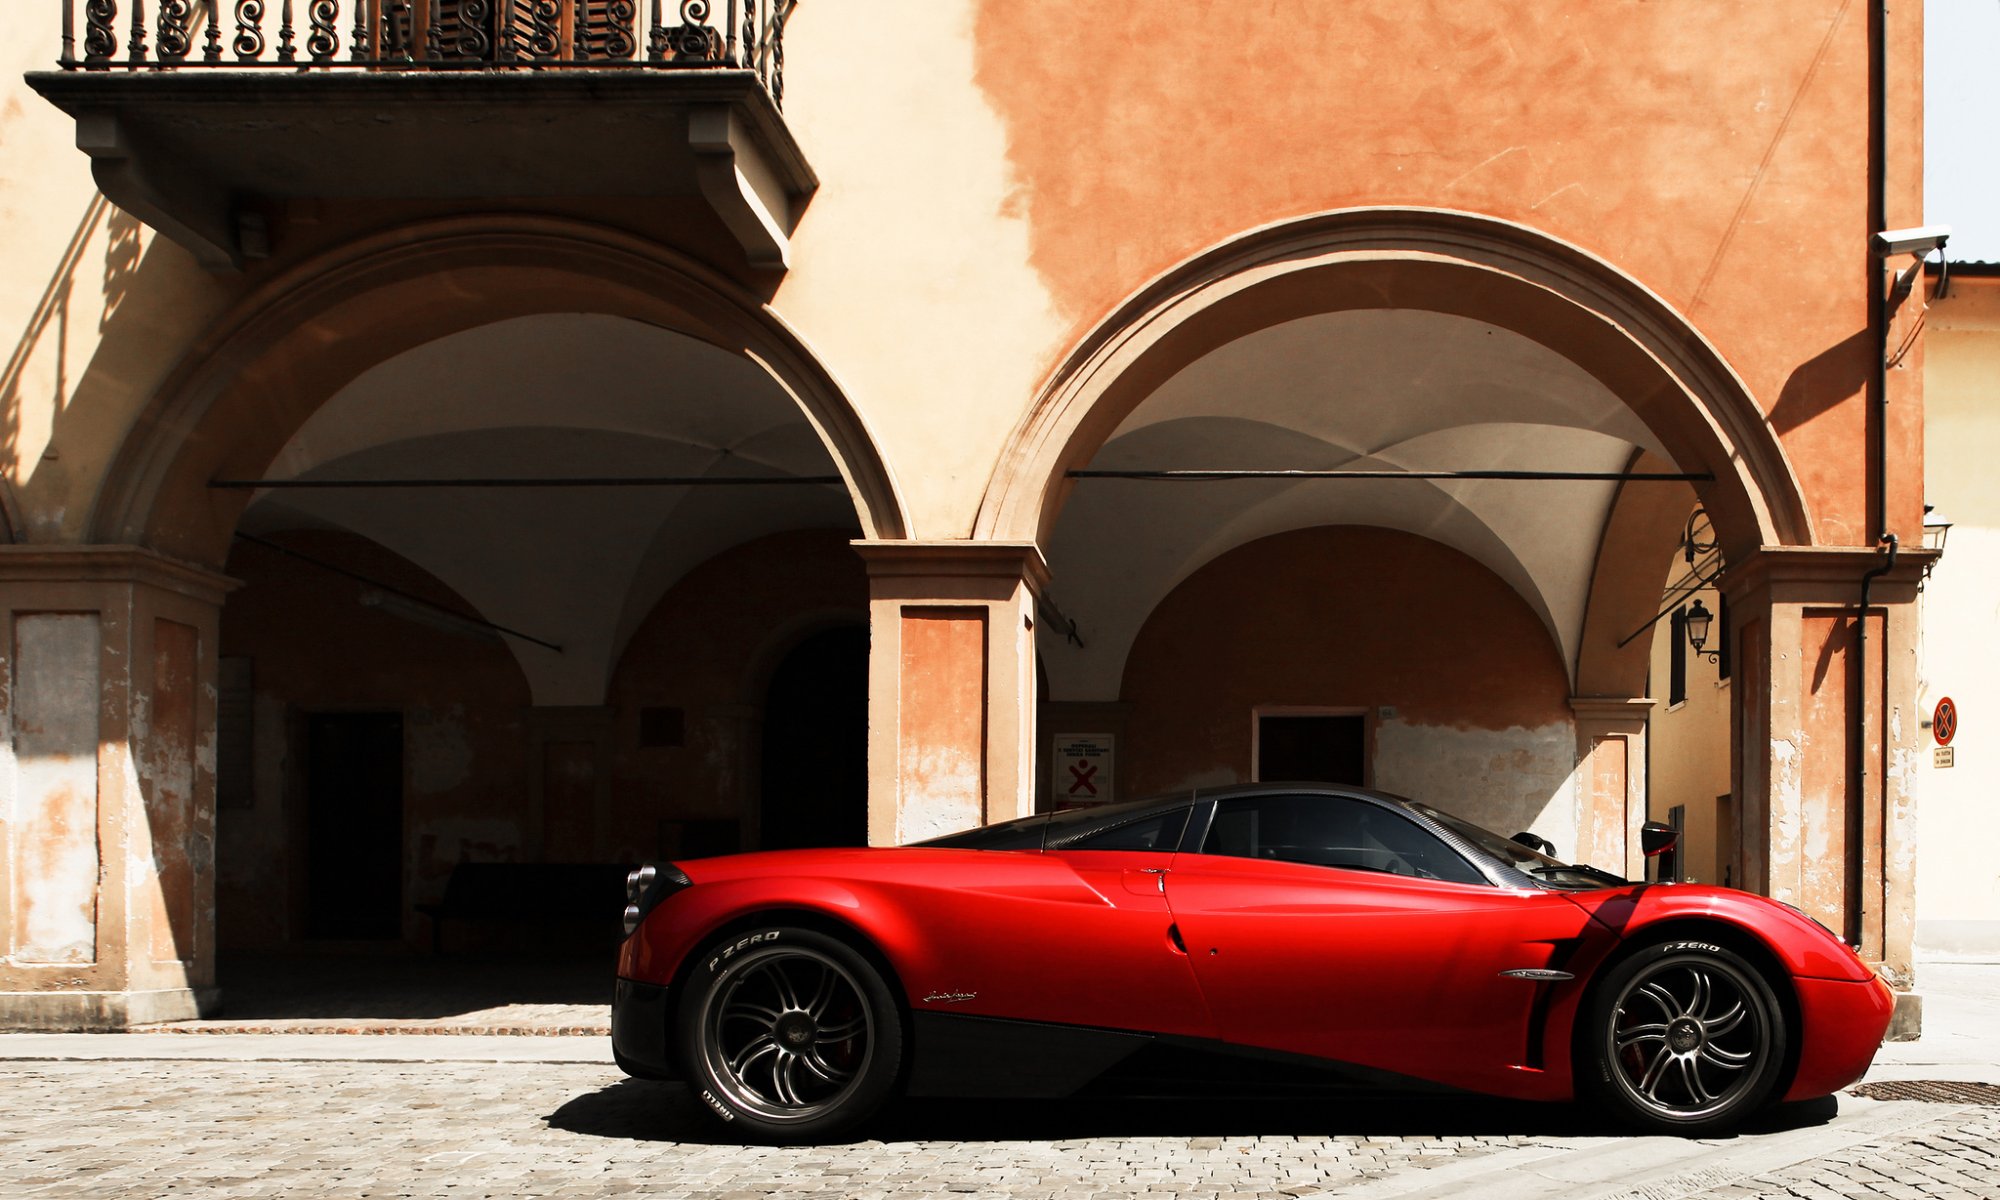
pixel 1684 1037
pixel 789 1034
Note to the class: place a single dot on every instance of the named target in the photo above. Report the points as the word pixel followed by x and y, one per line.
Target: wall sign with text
pixel 1084 767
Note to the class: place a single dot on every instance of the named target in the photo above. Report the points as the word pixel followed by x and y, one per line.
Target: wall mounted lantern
pixel 1937 527
pixel 1698 621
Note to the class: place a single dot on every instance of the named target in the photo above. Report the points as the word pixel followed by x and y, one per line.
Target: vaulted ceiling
pixel 1372 389
pixel 568 395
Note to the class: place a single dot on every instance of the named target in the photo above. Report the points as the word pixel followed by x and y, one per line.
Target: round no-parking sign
pixel 1944 721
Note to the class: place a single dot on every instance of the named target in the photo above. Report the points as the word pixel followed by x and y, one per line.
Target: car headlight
pixel 646 886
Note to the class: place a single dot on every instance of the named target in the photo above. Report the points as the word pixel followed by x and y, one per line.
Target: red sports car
pixel 1360 935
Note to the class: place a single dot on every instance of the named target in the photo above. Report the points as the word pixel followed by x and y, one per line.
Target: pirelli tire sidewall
pixel 719 969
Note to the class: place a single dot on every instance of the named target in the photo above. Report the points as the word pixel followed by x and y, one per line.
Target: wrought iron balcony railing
pixel 429 35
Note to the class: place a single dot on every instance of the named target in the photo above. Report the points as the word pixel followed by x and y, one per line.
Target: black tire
pixel 788 1035
pixel 1684 1037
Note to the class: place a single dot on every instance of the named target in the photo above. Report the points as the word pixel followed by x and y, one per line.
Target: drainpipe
pixel 1878 447
pixel 1856 827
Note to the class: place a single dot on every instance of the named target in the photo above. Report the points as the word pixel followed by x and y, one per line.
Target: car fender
pixel 1801 946
pixel 659 951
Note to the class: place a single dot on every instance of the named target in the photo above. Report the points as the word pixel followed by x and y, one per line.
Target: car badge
pixel 949 997
pixel 1538 974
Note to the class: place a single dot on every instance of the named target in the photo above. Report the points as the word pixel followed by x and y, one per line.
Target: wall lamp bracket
pixel 1699 620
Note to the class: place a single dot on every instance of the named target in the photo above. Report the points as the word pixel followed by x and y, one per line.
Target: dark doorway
pixel 354 825
pixel 1322 749
pixel 815 762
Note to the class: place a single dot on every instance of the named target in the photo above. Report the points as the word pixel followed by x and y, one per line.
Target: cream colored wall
pixel 95 309
pixel 910 272
pixel 1689 744
pixel 52 223
pixel 1958 874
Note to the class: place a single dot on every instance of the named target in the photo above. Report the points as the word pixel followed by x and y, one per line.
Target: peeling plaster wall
pixel 941 763
pixel 1508 780
pixel 53 854
pixel 1359 618
pixel 171 818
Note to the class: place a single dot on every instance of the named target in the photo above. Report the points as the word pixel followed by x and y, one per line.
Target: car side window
pixel 1333 831
pixel 1159 832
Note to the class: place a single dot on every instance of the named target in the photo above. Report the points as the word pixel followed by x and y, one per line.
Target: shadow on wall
pixel 44 344
pixel 1822 383
pixel 52 405
pixel 1828 380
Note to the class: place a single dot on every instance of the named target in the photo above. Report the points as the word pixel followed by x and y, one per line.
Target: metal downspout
pixel 1878 452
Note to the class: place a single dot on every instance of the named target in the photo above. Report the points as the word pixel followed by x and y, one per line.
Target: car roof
pixel 1033 832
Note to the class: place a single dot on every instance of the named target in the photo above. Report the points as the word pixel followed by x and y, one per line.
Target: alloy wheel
pixel 1688 1037
pixel 787 1035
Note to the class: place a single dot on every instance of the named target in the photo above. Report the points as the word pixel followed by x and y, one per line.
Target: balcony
pixel 209 119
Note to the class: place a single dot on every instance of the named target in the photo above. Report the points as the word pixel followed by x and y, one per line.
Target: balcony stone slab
pixel 202 155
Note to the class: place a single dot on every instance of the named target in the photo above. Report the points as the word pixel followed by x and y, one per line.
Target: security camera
pixel 1921 240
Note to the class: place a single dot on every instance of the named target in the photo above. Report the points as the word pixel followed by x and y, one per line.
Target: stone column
pixel 107 787
pixel 1800 771
pixel 951 685
pixel 1611 758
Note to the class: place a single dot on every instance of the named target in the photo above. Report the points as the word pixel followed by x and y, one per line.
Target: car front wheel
pixel 789 1035
pixel 1683 1037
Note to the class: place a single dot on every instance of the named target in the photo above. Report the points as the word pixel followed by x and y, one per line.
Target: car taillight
pixel 646 887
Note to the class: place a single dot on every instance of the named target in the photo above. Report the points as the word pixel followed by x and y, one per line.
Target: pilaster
pixel 1827 739
pixel 1611 754
pixel 951 685
pixel 107 786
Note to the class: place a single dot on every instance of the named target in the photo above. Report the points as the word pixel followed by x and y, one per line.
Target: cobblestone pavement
pixel 126 1127
pixel 463 1129
pixel 1955 1156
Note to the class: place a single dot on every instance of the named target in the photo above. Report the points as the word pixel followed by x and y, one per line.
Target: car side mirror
pixel 1532 842
pixel 1656 838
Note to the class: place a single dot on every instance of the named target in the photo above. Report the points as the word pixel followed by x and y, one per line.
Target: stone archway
pixel 141 601
pixel 288 346
pixel 1698 415
pixel 1438 260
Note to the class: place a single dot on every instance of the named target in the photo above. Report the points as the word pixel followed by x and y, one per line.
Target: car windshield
pixel 1522 858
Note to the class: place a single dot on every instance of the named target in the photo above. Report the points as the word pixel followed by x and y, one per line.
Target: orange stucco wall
pixel 1351 617
pixel 1727 173
pixel 941 759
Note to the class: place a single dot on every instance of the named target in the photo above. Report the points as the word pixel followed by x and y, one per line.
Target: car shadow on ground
pixel 665 1112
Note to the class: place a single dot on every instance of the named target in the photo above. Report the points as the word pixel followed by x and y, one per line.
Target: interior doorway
pixel 815 755
pixel 354 825
pixel 1315 747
